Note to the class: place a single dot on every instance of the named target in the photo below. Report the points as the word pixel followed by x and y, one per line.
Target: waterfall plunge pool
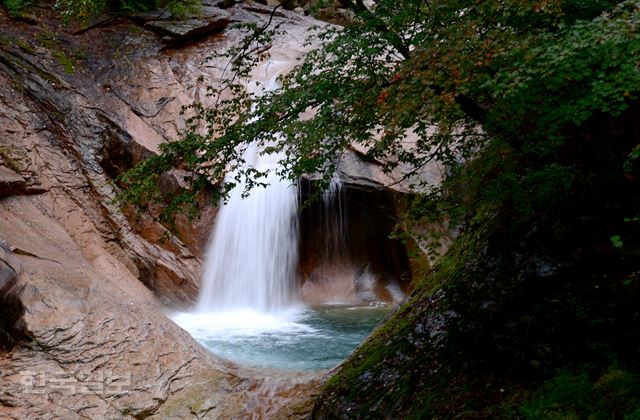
pixel 298 338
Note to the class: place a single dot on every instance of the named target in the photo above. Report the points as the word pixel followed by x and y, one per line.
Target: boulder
pixel 207 20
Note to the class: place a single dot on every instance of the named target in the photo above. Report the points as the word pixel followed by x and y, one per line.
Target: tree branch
pixel 394 39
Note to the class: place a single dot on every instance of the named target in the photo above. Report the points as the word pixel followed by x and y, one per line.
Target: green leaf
pixel 616 241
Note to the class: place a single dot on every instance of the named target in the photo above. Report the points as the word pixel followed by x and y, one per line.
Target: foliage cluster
pixel 83 10
pixel 14 7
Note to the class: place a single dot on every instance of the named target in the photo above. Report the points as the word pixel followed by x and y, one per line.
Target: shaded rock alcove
pixel 347 250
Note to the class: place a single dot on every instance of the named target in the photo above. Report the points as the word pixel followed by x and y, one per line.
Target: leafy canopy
pixel 515 76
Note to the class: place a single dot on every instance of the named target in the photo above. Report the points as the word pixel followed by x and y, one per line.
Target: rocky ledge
pixel 205 19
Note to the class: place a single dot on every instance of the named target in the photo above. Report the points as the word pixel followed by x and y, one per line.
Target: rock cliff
pixel 83 284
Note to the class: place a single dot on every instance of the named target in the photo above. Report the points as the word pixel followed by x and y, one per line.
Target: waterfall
pixel 250 306
pixel 334 221
pixel 253 254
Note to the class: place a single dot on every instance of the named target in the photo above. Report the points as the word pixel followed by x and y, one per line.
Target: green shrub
pixel 15 7
pixel 83 10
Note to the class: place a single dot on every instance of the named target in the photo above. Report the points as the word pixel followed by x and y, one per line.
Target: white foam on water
pixel 238 323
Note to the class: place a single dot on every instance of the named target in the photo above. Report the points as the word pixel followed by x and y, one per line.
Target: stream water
pixel 296 338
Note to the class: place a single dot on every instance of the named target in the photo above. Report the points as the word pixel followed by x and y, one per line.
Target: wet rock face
pixel 346 253
pixel 119 152
pixel 58 136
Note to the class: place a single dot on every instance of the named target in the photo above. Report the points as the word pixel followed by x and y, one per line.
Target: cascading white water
pixel 252 257
pixel 334 220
